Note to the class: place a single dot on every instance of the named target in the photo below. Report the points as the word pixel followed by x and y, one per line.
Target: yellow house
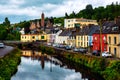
pixel 82 41
pixel 113 41
pixel 72 23
pixel 33 37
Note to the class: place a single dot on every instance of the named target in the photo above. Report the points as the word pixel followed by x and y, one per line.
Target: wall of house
pixel 61 39
pixel 70 23
pixel 97 44
pixel 33 37
pixel 71 41
pixel 114 48
pixel 90 39
pixel 82 41
pixel 51 38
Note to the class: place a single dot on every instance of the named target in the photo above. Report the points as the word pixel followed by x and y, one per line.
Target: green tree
pixel 66 15
pixel 6 22
pixel 89 11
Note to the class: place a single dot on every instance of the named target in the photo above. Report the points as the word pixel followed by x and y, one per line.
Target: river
pixel 37 66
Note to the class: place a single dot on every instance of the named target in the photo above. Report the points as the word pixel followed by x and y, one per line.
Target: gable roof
pixel 66 32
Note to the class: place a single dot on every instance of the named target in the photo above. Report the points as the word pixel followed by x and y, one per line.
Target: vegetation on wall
pixel 109 69
pixel 8 64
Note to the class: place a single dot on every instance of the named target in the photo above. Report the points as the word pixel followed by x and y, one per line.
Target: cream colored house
pixel 74 22
pixel 82 41
pixel 33 37
pixel 114 44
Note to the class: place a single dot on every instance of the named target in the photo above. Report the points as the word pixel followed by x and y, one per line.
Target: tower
pixel 42 20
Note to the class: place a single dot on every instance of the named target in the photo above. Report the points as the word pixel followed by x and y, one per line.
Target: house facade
pixel 33 37
pixel 62 38
pixel 99 42
pixel 51 37
pixel 114 44
pixel 72 23
pixel 82 41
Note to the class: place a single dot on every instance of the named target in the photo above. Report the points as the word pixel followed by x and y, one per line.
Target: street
pixel 5 50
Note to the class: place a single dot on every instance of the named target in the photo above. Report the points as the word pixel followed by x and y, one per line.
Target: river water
pixel 37 66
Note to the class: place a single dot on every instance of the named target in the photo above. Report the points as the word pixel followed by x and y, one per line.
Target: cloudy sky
pixel 20 10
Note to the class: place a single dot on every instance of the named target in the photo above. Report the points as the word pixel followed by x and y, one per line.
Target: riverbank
pixel 9 63
pixel 109 69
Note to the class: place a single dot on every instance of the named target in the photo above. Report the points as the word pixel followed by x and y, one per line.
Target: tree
pixel 66 15
pixel 89 11
pixel 73 15
pixel 6 22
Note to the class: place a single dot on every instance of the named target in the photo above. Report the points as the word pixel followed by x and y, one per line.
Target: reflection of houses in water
pixel 37 55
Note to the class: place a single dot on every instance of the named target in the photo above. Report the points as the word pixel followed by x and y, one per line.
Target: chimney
pixel 117 20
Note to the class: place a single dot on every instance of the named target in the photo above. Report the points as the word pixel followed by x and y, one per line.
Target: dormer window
pixel 115 28
pixel 104 27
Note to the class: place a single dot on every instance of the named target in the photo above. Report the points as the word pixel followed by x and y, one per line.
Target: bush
pixel 8 64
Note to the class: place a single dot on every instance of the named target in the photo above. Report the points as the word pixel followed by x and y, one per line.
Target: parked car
pixel 96 52
pixel 55 45
pixel 68 47
pixel 49 44
pixel 2 45
pixel 106 54
pixel 82 50
pixel 76 50
pixel 61 46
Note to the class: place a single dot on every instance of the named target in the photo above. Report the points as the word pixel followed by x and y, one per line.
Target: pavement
pixel 5 50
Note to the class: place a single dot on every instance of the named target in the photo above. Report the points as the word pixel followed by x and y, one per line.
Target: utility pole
pixel 100 23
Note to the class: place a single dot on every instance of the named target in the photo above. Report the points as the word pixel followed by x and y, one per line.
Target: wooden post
pixel 100 23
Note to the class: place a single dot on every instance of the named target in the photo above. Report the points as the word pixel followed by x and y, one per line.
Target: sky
pixel 21 10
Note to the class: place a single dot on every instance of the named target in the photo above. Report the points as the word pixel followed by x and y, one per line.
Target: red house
pixel 97 44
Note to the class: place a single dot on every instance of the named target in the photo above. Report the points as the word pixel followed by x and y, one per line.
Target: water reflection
pixel 37 66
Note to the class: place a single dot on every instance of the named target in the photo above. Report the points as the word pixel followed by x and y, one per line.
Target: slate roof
pixel 66 32
pixel 109 27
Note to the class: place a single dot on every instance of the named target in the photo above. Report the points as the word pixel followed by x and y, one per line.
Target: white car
pixel 106 54
pixel 2 45
pixel 76 50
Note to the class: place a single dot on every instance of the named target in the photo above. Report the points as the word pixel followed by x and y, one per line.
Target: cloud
pixel 74 76
pixel 16 2
pixel 56 8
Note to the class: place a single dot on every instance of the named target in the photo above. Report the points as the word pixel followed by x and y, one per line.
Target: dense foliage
pixel 109 12
pixel 8 64
pixel 24 24
pixel 7 31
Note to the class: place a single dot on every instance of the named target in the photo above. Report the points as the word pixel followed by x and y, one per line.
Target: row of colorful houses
pixel 85 36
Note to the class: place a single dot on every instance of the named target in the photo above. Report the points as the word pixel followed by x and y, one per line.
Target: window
pixel 42 37
pixel 81 44
pixel 105 48
pixel 68 20
pixel 109 40
pixel 33 37
pixel 115 52
pixel 81 37
pixel 110 49
pixel 87 38
pixel 114 40
pixel 78 43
